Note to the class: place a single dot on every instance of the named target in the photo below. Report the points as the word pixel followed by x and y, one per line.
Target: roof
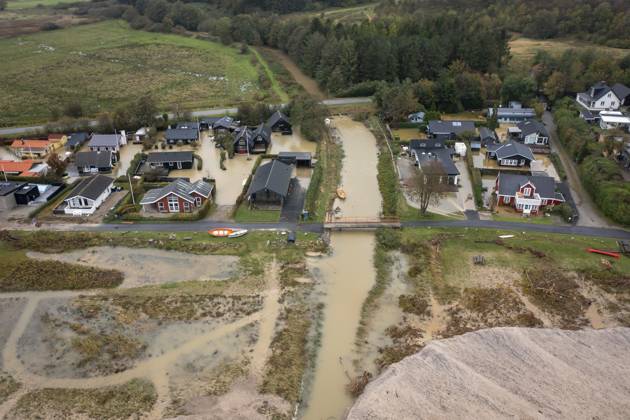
pixel 295 155
pixel 56 137
pixel 161 157
pixel 614 117
pixel 181 134
pixel 447 127
pixel 442 156
pixel 427 144
pixel 273 176
pixel 510 183
pixel 244 132
pixel 596 91
pixel 179 187
pixel 511 148
pixel 514 112
pixel 264 131
pixel 92 187
pixel 277 117
pixel 531 127
pixel 77 139
pixel 26 188
pixel 7 188
pixel 15 166
pixel 97 159
pixel 223 122
pixel 622 91
pixel 105 140
pixel 30 144
pixel 209 120
pixel 188 125
pixel 485 132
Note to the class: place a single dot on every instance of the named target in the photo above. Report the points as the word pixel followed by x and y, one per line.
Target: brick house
pixel 180 196
pixel 527 194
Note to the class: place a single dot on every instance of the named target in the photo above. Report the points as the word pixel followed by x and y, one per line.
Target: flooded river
pixel 346 276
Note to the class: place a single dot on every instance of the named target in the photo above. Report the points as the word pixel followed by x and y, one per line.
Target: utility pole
pixel 133 199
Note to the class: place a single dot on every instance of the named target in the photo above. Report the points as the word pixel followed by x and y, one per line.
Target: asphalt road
pixel 319 228
pixel 213 112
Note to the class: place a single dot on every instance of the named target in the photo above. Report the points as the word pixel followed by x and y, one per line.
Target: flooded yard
pixel 291 143
pixel 147 266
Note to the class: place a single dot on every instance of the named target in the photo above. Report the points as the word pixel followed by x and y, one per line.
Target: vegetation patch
pixel 612 281
pixel 322 189
pixel 8 386
pixel 115 347
pixel 406 341
pixel 132 399
pixel 224 376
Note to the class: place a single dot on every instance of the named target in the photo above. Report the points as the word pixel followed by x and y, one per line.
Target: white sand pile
pixel 507 372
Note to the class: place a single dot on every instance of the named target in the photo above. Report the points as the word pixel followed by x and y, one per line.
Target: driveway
pixel 294 203
pixel 589 213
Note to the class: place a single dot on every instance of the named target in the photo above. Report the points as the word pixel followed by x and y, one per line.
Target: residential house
pixel 270 184
pixel 224 125
pixel 510 154
pixel 25 194
pixel 426 152
pixel 89 163
pixel 31 149
pixel 449 130
pixel 22 168
pixel 77 140
pixel 207 123
pixel 57 141
pixel 181 135
pixel 296 158
pixel 601 97
pixel 623 93
pixel 528 194
pixel 610 120
pixel 189 125
pixel 171 160
pixel 180 196
pixel 416 117
pixel 141 134
pixel 261 137
pixel 7 194
pixel 243 141
pixel 514 113
pixel 108 142
pixel 486 136
pixel 88 195
pixel 278 122
pixel 532 133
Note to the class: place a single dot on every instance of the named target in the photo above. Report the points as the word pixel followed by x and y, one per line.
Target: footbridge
pixel 360 223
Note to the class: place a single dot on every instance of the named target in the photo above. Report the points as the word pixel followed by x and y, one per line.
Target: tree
pixel 144 111
pixel 396 101
pixel 73 109
pixel 3 4
pixel 427 184
pixel 518 88
pixel 555 86
pixel 57 165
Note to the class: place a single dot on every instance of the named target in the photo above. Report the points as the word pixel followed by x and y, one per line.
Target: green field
pixel 105 65
pixel 523 50
pixel 29 4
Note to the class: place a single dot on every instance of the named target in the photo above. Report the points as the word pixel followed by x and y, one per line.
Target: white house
pixel 600 97
pixel 532 133
pixel 88 195
pixel 107 142
pixel 609 120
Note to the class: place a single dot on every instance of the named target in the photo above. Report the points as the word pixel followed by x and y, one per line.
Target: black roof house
pixel 279 122
pixel 184 135
pixel 261 137
pixel 90 161
pixel 91 188
pixel 508 153
pixel 531 127
pixel 273 177
pixel 76 140
pixel 171 160
pixel 449 129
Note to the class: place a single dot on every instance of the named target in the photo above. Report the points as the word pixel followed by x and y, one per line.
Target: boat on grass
pixel 227 232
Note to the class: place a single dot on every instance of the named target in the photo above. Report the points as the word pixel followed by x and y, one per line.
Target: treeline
pixel 604 22
pixel 597 166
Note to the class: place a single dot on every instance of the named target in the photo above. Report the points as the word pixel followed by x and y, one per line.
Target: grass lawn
pixel 540 220
pixel 523 50
pixel 406 134
pixel 107 64
pixel 408 213
pixel 29 4
pixel 275 85
pixel 466 116
pixel 247 215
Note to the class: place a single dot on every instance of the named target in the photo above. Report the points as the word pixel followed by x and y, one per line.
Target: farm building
pixel 279 122
pixel 88 195
pixel 270 184
pixel 180 196
pixel 181 135
pixel 510 154
pixel 171 160
pixel 527 194
pixel 94 162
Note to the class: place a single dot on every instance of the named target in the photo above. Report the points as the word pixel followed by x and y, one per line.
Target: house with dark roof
pixel 171 160
pixel 76 140
pixel 7 194
pixel 532 133
pixel 296 158
pixel 270 184
pixel 188 125
pixel 88 195
pixel 224 125
pixel 107 142
pixel 601 97
pixel 427 152
pixel 278 122
pixel 622 92
pixel 486 136
pixel 89 163
pixel 26 193
pixel 528 194
pixel 206 123
pixel 449 130
pixel 181 135
pixel 261 137
pixel 510 154
pixel 180 196
pixel 513 113
pixel 243 141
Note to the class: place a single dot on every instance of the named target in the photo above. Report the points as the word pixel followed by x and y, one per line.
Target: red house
pixel 527 194
pixel 180 196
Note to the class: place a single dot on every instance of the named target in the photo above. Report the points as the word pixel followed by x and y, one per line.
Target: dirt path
pixel 309 85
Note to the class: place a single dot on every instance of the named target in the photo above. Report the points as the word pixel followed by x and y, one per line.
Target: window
pixel 186 206
pixel 602 103
pixel 173 204
pixel 506 199
pixel 198 201
pixel 179 165
pixel 527 192
pixel 160 206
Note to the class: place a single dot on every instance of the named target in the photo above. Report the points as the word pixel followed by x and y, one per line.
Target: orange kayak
pixel 221 232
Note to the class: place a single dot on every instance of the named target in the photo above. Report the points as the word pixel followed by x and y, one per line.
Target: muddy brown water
pixel 147 266
pixel 346 276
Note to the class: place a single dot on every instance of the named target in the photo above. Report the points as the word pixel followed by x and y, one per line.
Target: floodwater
pixel 347 276
pixel 6 154
pixel 127 153
pixel 358 176
pixel 291 143
pixel 145 266
pixel 229 183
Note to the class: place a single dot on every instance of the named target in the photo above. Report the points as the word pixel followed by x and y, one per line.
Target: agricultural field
pixel 523 49
pixel 107 64
pixel 28 4
pixel 340 14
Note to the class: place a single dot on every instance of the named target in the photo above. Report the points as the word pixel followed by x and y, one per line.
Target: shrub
pixel 199 161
